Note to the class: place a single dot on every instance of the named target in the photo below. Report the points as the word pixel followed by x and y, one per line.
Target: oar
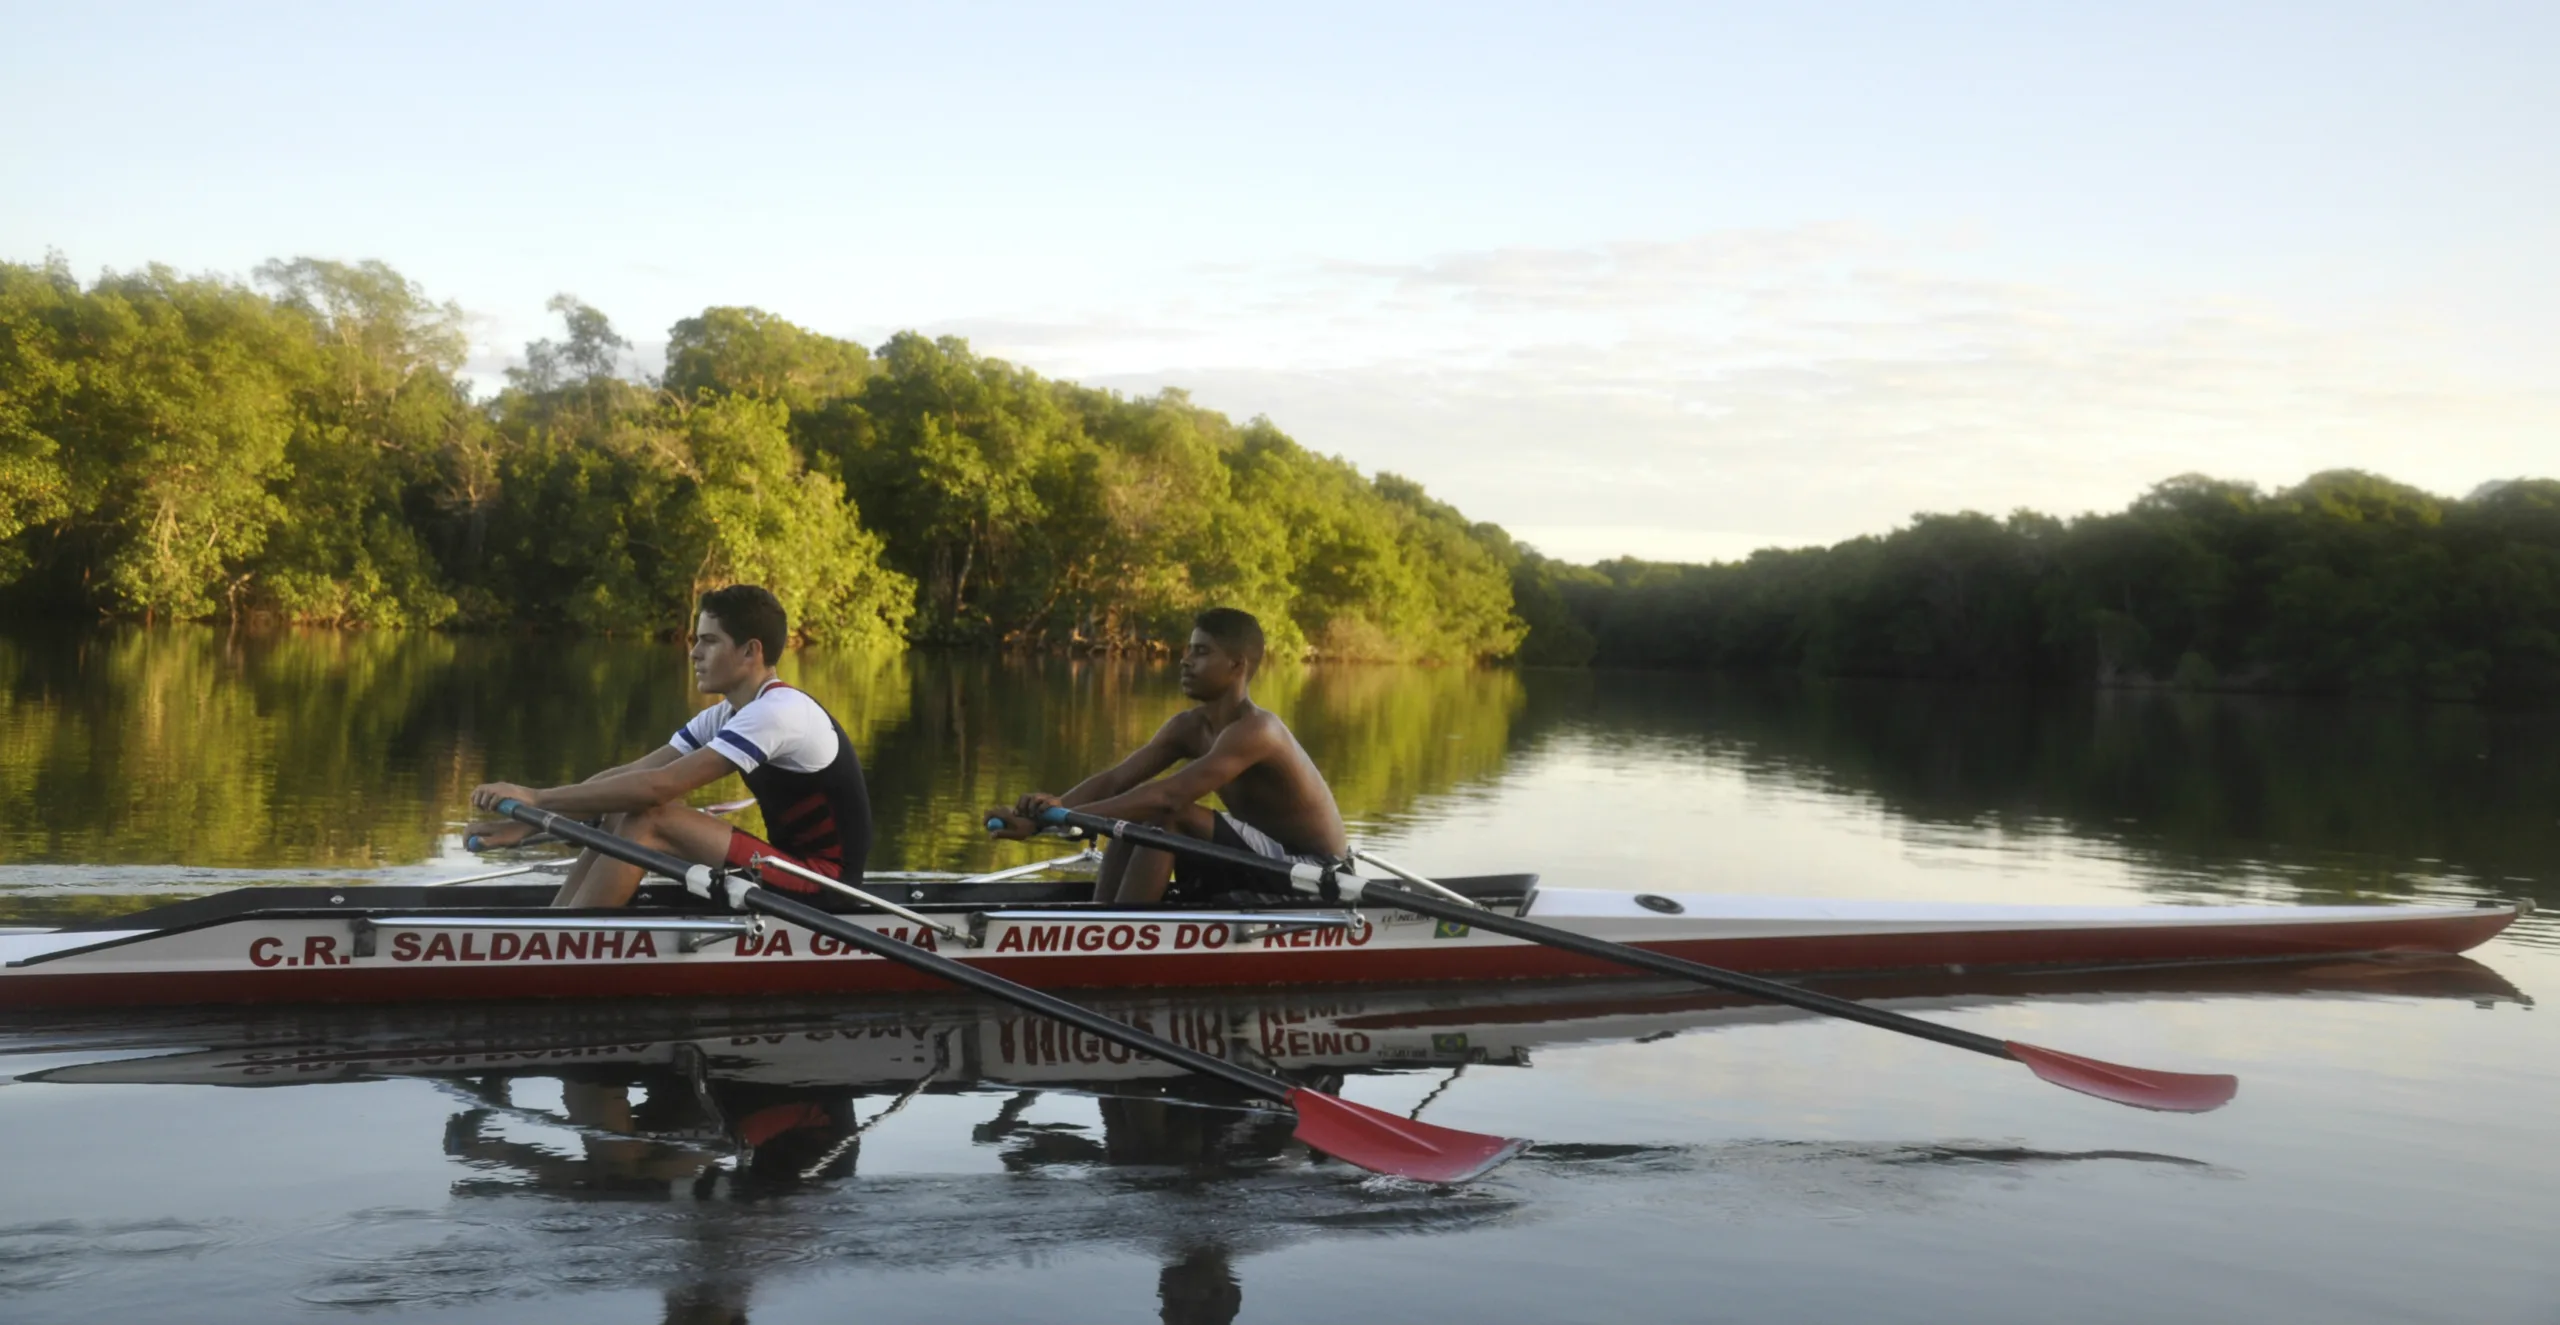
pixel 496 874
pixel 2143 1088
pixel 1355 1133
pixel 472 842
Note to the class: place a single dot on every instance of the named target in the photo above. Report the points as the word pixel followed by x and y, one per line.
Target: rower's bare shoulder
pixel 1276 730
pixel 1260 727
pixel 1267 740
pixel 1186 733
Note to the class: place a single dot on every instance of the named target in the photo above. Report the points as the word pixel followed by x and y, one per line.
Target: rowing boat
pixel 297 944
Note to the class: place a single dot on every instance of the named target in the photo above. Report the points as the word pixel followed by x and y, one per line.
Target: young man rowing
pixel 1278 805
pixel 795 758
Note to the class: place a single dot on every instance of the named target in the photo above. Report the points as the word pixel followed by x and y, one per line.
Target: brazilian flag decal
pixel 1448 929
pixel 1449 1042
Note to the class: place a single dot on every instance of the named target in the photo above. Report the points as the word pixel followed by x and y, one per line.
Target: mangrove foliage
pixel 305 449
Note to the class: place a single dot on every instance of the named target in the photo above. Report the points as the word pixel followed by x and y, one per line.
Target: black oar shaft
pixel 1665 964
pixel 1439 908
pixel 599 841
pixel 756 897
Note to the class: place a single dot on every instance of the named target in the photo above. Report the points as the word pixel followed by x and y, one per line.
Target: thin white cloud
pixel 1759 387
pixel 1703 396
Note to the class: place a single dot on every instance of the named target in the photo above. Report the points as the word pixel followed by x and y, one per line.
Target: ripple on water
pixel 412 1290
pixel 576 1221
pixel 390 1257
pixel 45 1255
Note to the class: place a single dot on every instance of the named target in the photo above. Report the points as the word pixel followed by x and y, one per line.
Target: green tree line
pixel 2345 583
pixel 304 448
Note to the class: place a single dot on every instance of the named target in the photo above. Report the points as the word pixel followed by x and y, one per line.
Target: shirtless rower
pixel 1277 803
pixel 796 761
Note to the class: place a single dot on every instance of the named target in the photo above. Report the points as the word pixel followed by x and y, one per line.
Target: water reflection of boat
pixel 708 1113
pixel 403 944
pixel 952 1045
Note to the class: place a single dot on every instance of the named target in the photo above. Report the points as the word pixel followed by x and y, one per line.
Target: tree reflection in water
pixel 124 752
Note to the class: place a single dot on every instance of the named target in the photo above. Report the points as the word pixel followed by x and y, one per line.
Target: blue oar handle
pixel 1053 823
pixel 475 842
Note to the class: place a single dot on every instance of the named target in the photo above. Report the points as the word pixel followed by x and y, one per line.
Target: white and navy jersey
pixel 781 726
pixel 801 769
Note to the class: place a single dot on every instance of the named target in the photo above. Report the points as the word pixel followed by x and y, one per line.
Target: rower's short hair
pixel 750 612
pixel 1235 630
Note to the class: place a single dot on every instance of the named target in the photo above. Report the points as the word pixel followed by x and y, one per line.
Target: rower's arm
pixel 1162 751
pixel 1237 748
pixel 661 755
pixel 654 779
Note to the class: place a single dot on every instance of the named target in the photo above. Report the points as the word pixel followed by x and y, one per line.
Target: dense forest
pixel 2346 583
pixel 304 448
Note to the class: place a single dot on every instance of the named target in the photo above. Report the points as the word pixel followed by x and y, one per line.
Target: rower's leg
pixel 569 881
pixel 1114 867
pixel 573 885
pixel 674 827
pixel 600 880
pixel 1149 871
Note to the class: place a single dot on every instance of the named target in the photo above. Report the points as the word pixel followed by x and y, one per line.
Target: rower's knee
pixel 650 825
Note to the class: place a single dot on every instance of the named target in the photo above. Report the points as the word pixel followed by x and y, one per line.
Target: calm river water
pixel 2389 1157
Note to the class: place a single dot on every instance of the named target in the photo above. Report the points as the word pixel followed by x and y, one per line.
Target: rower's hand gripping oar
pixel 2143 1088
pixel 1374 1140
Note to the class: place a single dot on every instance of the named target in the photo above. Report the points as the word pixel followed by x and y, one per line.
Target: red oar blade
pixel 1386 1143
pixel 2175 1092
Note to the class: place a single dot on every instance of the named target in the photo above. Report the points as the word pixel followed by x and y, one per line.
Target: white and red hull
pixel 370 956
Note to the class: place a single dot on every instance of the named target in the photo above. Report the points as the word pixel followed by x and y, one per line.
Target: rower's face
pixel 718 661
pixel 1208 669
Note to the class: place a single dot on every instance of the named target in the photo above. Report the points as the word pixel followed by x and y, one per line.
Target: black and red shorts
pixel 1197 881
pixel 744 847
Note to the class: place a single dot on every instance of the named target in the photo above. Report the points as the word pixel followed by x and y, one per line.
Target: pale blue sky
pixel 1670 280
